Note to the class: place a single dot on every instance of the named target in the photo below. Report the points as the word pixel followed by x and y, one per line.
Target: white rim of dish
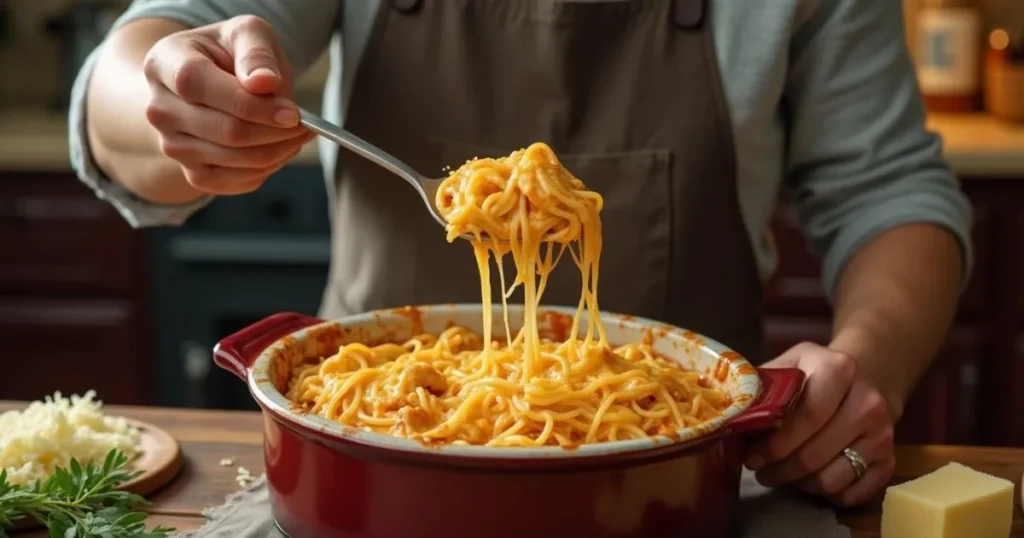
pixel 267 394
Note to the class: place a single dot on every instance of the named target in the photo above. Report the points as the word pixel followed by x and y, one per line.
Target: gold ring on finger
pixel 856 461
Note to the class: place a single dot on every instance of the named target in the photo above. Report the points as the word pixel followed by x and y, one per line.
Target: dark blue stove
pixel 237 261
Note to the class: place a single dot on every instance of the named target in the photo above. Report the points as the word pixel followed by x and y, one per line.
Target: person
pixel 688 116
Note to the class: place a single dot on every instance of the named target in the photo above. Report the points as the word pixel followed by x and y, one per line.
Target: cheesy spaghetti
pixel 460 387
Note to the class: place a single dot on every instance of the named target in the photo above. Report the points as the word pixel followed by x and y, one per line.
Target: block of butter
pixel 952 502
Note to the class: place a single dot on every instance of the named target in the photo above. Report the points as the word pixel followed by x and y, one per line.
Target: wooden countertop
pixel 977 146
pixel 208 436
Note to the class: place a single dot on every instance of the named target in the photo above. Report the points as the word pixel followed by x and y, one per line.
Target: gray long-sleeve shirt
pixel 821 93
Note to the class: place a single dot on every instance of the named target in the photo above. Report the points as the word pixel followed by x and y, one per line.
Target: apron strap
pixel 687 14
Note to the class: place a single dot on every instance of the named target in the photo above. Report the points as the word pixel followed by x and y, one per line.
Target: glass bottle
pixel 949 54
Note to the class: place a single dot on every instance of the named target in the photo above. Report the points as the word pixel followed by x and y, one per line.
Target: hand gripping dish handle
pixel 780 391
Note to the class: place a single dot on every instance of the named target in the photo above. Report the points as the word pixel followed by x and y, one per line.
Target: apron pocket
pixel 636 225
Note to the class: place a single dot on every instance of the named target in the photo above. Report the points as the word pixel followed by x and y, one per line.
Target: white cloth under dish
pixel 763 513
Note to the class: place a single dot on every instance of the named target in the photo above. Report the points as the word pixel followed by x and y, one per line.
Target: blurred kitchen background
pixel 88 303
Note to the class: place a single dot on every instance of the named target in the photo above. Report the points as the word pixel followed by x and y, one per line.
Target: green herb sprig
pixel 80 502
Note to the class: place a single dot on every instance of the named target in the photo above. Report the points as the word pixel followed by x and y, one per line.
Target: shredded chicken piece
pixel 412 420
pixel 423 375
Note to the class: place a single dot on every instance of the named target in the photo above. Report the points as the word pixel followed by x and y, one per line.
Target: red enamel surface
pixel 329 484
pixel 321 489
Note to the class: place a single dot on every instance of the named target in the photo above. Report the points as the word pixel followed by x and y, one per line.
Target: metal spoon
pixel 427 187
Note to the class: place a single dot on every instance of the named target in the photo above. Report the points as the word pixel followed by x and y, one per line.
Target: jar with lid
pixel 1004 73
pixel 949 54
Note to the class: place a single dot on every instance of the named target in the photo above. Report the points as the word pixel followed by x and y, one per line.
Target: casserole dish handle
pixel 780 391
pixel 237 352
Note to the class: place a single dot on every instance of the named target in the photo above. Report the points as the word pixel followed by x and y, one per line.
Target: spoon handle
pixel 357 145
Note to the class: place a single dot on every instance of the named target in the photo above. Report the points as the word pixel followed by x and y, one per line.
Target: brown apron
pixel 628 95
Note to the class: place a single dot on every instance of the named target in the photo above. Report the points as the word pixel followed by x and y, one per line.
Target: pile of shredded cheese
pixel 48 433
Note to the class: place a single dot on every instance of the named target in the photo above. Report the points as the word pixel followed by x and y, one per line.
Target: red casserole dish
pixel 329 480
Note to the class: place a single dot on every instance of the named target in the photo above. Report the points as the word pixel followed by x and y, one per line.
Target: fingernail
pixel 286 117
pixel 262 71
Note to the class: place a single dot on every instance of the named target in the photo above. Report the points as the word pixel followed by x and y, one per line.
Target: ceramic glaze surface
pixel 325 479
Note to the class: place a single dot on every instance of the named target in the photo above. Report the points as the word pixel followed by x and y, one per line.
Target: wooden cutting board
pixel 160 459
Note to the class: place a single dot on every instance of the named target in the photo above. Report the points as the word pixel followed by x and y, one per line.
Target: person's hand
pixel 840 408
pixel 221 104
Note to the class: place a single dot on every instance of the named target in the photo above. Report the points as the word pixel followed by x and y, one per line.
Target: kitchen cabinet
pixel 945 402
pixel 1012 416
pixel 71 345
pixel 969 394
pixel 73 304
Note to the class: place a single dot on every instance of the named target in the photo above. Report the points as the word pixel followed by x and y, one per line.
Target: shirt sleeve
pixel 859 160
pixel 304 27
